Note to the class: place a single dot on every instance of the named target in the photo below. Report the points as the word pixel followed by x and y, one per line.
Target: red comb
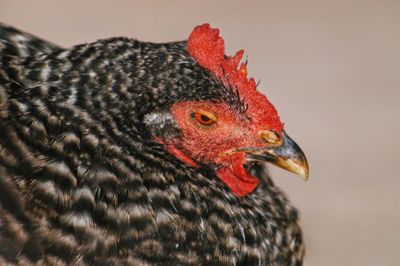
pixel 208 49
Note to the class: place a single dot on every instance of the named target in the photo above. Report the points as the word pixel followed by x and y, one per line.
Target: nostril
pixel 270 137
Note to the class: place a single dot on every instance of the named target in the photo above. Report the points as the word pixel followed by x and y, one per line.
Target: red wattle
pixel 235 176
pixel 238 180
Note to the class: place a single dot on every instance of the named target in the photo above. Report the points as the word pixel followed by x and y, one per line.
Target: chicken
pixel 122 152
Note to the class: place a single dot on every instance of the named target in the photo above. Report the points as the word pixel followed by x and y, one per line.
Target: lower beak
pixel 288 156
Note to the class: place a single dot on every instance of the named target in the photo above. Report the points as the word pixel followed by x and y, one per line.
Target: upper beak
pixel 286 155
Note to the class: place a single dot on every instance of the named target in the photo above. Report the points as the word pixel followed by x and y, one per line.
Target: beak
pixel 286 155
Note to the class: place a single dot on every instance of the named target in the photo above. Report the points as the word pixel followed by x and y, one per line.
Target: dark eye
pixel 203 119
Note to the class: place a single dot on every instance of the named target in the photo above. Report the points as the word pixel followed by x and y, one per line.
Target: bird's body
pixel 85 180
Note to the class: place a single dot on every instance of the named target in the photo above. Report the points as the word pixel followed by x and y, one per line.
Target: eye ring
pixel 204 119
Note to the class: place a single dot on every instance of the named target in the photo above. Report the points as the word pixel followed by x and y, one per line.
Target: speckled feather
pixel 83 182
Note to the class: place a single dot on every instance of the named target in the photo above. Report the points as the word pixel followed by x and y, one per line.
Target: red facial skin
pixel 212 144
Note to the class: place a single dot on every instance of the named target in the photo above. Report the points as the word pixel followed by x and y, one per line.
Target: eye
pixel 204 119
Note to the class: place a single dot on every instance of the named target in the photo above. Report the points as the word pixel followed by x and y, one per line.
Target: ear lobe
pixel 162 125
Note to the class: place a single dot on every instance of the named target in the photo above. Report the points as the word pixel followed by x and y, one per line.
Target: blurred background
pixel 332 69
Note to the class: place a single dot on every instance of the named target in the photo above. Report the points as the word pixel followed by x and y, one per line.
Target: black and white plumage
pixel 83 182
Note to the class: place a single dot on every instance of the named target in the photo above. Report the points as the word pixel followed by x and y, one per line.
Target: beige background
pixel 332 68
